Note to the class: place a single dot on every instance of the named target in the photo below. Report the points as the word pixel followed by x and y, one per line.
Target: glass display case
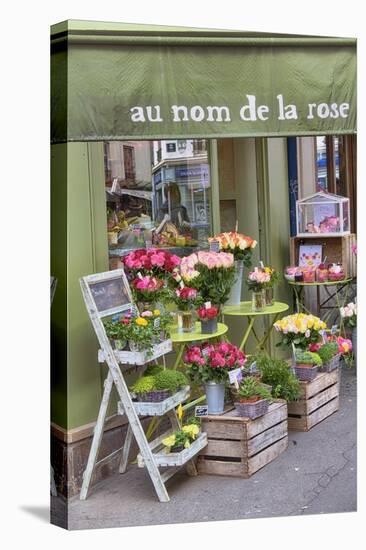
pixel 323 213
pixel 158 193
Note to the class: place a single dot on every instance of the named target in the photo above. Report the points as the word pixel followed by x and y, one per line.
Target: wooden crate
pixel 319 399
pixel 238 446
pixel 336 249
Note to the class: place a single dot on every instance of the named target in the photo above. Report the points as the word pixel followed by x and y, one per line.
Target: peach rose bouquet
pixel 241 246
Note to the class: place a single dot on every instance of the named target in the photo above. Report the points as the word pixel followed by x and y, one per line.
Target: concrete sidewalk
pixel 317 474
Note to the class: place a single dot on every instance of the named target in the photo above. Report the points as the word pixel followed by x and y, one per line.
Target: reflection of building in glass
pixel 322 162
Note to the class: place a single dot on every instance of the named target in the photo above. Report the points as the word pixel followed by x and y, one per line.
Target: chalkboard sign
pixel 110 294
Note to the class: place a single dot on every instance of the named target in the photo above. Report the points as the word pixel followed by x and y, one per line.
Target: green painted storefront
pixel 86 111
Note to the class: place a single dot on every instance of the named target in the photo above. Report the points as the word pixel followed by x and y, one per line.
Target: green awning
pixel 113 81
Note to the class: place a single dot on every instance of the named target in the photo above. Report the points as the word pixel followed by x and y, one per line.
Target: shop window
pixel 158 193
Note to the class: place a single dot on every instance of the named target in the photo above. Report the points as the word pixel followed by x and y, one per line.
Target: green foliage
pixel 214 285
pixel 328 351
pixel 308 358
pixel 152 370
pixel 144 384
pixel 115 330
pixel 251 387
pixel 170 380
pixel 278 374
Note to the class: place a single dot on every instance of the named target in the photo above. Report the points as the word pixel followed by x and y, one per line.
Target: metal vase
pixel 215 396
pixel 354 344
pixel 235 292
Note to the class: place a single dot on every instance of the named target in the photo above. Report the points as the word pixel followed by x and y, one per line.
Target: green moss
pixel 170 380
pixel 144 384
pixel 328 351
pixel 278 374
pixel 308 358
pixel 152 370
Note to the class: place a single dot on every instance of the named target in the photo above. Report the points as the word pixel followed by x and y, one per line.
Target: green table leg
pixel 247 332
pixel 179 356
pixel 263 341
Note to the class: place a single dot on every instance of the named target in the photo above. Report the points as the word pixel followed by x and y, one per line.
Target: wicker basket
pixel 252 410
pixel 332 364
pixel 153 396
pixel 234 393
pixel 306 374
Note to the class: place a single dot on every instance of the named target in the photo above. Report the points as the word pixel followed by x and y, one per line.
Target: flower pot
pixel 133 346
pixel 268 294
pixel 252 409
pixel 258 300
pixel 153 396
pixel 235 291
pixel 305 373
pixel 354 344
pixel 186 321
pixel 331 365
pixel 209 326
pixel 215 396
pixel 177 449
pixel 119 344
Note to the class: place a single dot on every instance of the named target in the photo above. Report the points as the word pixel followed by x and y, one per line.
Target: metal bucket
pixel 215 396
pixel 235 292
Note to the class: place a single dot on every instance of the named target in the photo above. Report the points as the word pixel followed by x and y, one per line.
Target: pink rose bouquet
pixel 241 246
pixel 211 273
pixel 149 289
pixel 186 297
pixel 207 313
pixel 150 261
pixel 211 363
pixel 258 280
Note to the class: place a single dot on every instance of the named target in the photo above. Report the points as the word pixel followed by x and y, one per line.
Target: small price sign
pixel 253 368
pixel 324 336
pixel 334 330
pixel 214 246
pixel 201 410
pixel 235 376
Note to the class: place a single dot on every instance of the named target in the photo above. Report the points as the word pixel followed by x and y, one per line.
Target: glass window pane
pixel 321 164
pixel 158 193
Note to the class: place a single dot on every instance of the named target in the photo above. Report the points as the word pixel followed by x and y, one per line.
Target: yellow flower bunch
pixel 299 323
pixel 156 312
pixel 141 321
pixel 191 430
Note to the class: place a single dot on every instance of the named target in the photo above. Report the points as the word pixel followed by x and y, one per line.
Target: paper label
pixel 235 375
pixel 334 330
pixel 214 246
pixel 207 305
pixel 157 322
pixel 139 275
pixel 261 264
pixel 293 352
pixel 205 351
pixel 253 368
pixel 181 284
pixel 324 336
pixel 201 410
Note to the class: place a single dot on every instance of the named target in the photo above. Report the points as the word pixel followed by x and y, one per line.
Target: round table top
pixel 245 308
pixel 181 337
pixel 316 283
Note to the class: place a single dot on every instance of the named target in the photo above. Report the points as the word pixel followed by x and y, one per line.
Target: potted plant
pixel 181 439
pixel 147 290
pixel 208 314
pixel 241 246
pixel 186 299
pixel 306 365
pixel 349 318
pixel 117 331
pixel 257 281
pixel 330 356
pixel 209 365
pixel 268 287
pixel 278 374
pixel 159 386
pixel 211 273
pixel 253 398
pixel 299 329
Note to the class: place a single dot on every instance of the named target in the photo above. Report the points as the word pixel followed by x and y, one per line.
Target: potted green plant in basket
pixel 278 374
pixel 306 365
pixel 253 398
pixel 159 386
pixel 330 356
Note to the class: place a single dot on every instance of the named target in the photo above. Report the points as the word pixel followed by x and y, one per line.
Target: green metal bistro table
pixel 244 309
pixel 182 339
pixel 340 294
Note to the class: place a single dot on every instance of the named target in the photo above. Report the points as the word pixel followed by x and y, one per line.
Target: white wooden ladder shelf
pixel 106 294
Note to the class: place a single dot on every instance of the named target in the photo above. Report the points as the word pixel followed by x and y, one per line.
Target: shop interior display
pixel 323 213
